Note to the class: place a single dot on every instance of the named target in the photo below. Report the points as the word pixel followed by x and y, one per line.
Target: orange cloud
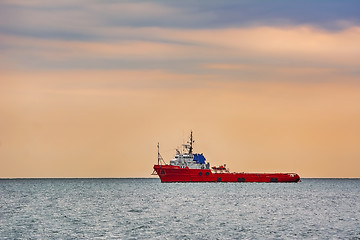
pixel 285 46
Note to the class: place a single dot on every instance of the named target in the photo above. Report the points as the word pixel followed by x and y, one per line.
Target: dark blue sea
pixel 148 209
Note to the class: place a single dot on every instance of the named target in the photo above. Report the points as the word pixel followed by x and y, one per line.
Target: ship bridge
pixel 192 161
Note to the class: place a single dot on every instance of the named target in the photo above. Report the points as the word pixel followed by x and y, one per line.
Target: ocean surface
pixel 148 209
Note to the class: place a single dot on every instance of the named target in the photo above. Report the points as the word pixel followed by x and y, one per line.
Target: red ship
pixel 192 167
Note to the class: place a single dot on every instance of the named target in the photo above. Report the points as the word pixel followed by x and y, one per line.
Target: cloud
pixel 189 37
pixel 295 53
pixel 81 20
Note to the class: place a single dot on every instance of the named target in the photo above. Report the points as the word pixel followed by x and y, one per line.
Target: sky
pixel 88 88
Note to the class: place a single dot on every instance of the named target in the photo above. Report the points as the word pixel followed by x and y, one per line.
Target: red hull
pixel 169 173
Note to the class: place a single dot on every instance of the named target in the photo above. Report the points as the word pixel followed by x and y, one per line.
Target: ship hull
pixel 169 173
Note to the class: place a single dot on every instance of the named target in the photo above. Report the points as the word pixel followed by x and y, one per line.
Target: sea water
pixel 149 209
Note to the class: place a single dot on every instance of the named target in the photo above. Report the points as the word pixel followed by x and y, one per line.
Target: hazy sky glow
pixel 88 88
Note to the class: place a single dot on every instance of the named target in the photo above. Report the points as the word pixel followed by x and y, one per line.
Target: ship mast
pixel 160 159
pixel 191 143
pixel 159 156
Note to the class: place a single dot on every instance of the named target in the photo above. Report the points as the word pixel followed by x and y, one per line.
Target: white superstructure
pixel 188 159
